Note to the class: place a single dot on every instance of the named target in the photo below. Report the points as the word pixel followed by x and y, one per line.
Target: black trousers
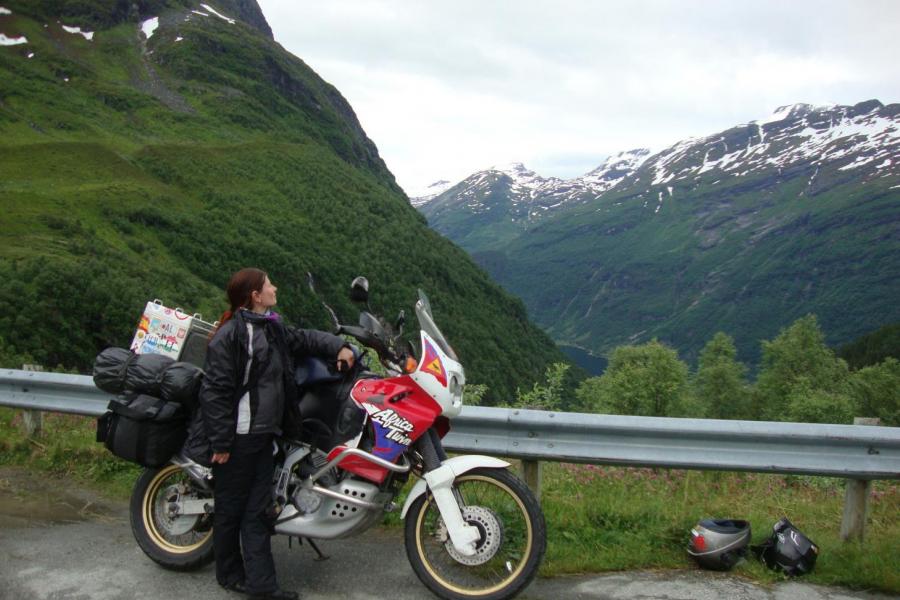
pixel 243 488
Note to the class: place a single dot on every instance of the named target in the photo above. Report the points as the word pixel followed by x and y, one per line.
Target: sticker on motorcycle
pixel 397 427
pixel 432 364
pixel 391 432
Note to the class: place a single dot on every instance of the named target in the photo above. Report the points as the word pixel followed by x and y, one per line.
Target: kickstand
pixel 312 544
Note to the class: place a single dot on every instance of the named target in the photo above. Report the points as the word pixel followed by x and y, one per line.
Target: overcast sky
pixel 448 87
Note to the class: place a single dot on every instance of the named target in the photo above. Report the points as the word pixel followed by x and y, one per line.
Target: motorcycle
pixel 472 530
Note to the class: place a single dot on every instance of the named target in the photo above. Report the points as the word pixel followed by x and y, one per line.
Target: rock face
pixel 741 231
pixel 250 13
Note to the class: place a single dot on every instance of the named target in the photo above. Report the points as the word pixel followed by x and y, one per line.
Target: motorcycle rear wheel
pixel 177 542
pixel 514 538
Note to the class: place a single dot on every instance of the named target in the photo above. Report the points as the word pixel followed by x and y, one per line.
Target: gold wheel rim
pixel 147 508
pixel 512 576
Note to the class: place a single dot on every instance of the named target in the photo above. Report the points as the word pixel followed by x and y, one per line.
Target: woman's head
pixel 251 289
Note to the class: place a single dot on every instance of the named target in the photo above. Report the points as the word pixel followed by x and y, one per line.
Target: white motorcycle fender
pixel 440 482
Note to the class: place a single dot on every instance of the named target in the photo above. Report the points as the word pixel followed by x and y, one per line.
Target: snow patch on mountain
pixel 149 26
pixel 12 41
pixel 88 35
pixel 213 11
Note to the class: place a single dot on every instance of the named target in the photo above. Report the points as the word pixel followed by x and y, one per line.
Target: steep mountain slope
pixel 149 149
pixel 742 231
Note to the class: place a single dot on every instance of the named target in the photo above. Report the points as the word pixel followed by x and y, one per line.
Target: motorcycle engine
pixel 312 463
pixel 306 501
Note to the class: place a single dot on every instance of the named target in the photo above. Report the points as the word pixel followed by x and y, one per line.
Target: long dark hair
pixel 240 290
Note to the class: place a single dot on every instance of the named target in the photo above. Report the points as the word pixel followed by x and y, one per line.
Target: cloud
pixel 447 88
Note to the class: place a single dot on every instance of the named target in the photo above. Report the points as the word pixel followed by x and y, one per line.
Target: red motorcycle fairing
pixel 399 413
pixel 442 426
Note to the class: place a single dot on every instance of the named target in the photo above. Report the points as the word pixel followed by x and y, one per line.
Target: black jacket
pixel 269 381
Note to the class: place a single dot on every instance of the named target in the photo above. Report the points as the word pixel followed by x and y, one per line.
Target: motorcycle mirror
pixel 401 319
pixel 359 290
pixel 312 287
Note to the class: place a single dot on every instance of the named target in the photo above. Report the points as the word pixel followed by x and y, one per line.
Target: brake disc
pixel 490 528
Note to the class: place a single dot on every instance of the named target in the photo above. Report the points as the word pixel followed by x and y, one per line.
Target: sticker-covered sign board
pixel 161 330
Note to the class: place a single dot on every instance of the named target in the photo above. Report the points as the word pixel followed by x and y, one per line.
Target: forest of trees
pixel 800 379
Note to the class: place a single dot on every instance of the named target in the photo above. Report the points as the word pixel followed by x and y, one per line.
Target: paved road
pixel 67 544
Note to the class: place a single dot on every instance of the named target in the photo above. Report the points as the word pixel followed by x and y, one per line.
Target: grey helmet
pixel 719 544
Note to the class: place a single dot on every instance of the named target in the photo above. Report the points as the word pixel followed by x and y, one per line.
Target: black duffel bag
pixel 118 370
pixel 143 429
pixel 180 382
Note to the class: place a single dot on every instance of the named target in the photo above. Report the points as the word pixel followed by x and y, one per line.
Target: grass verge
pixel 598 518
pixel 609 518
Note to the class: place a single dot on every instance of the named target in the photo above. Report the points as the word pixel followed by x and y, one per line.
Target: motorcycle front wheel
pixel 512 544
pixel 181 542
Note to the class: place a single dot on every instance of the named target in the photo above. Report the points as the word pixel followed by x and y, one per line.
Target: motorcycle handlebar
pixel 367 338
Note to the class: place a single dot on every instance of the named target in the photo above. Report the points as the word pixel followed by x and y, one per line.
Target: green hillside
pixel 746 257
pixel 872 348
pixel 135 168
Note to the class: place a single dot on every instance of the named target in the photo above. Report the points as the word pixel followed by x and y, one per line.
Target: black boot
pixel 276 595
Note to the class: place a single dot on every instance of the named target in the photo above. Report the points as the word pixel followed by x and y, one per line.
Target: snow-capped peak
pixel 423 196
pixel 521 176
pixel 615 168
pixel 851 136
pixel 792 110
pixel 533 194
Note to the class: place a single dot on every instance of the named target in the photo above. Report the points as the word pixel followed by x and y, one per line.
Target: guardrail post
pixel 33 419
pixel 856 500
pixel 533 473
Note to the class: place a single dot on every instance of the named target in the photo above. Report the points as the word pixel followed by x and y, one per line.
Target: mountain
pixel 150 148
pixel 491 207
pixel 741 231
pixel 432 191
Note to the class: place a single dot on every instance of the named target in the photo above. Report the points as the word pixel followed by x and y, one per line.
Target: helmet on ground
pixel 719 544
pixel 788 550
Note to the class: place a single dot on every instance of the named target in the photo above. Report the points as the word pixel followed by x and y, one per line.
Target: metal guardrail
pixel 856 452
pixel 849 451
pixel 52 392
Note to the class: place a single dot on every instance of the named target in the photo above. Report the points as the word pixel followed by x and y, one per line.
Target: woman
pixel 248 382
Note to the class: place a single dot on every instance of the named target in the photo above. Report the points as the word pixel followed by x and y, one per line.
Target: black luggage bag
pixel 143 429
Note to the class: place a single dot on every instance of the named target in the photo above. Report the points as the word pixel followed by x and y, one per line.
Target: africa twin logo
pixel 397 427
